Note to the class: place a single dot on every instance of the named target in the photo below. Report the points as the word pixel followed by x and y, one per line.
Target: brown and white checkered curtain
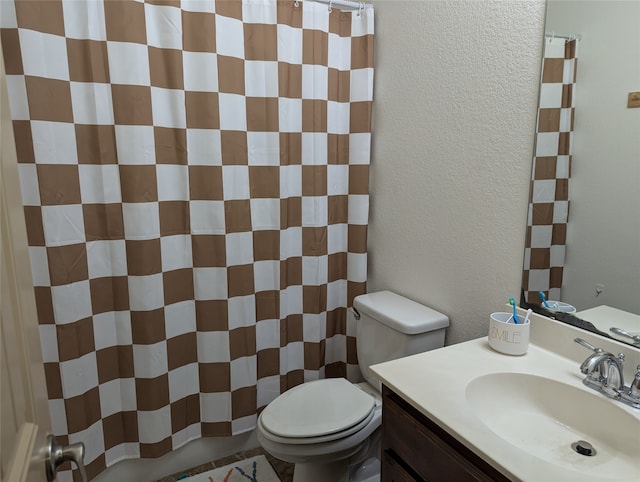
pixel 549 198
pixel 195 182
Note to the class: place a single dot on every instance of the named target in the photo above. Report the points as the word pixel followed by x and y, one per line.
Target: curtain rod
pixel 571 36
pixel 350 4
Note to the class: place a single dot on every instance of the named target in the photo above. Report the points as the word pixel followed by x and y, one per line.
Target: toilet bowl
pixel 325 426
pixel 324 445
pixel 344 415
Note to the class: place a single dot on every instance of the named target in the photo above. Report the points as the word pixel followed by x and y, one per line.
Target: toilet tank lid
pixel 400 313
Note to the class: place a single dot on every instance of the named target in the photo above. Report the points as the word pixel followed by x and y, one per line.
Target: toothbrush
pixel 512 302
pixel 526 318
pixel 544 300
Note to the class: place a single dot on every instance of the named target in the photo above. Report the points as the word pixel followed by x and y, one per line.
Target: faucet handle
pixel 634 388
pixel 631 396
pixel 587 345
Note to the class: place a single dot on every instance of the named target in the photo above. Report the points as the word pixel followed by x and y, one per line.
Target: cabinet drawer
pixel 393 471
pixel 431 452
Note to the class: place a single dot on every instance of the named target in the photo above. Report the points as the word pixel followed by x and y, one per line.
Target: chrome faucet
pixel 608 369
pixel 592 367
pixel 604 373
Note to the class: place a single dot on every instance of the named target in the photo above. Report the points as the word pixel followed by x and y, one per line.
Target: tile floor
pixel 283 469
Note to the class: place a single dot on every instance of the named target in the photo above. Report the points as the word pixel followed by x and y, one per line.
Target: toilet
pixel 329 428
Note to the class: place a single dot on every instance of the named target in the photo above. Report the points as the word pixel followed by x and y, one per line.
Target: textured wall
pixel 454 112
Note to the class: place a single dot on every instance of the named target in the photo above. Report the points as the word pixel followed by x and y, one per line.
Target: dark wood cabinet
pixel 415 449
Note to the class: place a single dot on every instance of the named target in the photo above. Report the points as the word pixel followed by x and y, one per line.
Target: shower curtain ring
pixel 330 4
pixel 296 4
pixel 360 8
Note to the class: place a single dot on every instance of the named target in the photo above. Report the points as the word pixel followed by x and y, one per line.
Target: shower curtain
pixel 549 198
pixel 195 185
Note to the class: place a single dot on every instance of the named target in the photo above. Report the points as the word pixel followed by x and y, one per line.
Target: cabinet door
pixel 426 449
pixel 393 471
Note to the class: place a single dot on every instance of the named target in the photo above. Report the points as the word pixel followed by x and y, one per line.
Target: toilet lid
pixel 317 408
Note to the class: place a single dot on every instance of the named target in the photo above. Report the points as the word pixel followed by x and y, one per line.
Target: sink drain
pixel 583 448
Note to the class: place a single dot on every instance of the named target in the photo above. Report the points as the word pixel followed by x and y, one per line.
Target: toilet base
pixel 367 471
pixel 361 466
pixel 337 471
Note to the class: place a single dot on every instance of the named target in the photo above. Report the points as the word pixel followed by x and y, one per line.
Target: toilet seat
pixel 317 411
pixel 316 440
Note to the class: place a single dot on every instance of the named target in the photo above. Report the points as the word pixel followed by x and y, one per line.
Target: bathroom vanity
pixel 415 448
pixel 466 412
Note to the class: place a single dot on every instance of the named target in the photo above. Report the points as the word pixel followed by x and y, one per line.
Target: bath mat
pixel 255 469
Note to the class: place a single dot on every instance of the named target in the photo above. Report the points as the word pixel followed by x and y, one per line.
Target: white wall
pixel 603 234
pixel 456 90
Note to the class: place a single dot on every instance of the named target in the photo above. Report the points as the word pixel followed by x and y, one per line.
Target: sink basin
pixel 545 417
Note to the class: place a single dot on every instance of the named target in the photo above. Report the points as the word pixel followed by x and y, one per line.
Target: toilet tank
pixel 391 326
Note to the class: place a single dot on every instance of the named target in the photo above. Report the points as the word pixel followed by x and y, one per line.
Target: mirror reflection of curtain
pixel 549 202
pixel 195 181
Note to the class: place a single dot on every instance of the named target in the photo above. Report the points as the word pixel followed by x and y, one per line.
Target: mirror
pixel 600 243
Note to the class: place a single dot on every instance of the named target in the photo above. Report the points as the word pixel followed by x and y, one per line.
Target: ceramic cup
pixel 507 337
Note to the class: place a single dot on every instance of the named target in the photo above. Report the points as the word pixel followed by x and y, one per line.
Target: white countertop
pixel 435 382
pixel 605 317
